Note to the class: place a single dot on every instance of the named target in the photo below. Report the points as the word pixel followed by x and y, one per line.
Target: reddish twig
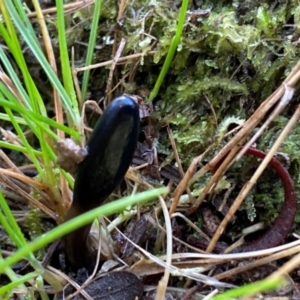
pixel 283 223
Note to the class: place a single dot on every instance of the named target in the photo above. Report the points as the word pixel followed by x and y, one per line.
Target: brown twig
pixel 68 8
pixel 111 71
pixel 246 130
pixel 185 181
pixel 258 263
pixel 215 178
pixel 282 225
pixel 109 62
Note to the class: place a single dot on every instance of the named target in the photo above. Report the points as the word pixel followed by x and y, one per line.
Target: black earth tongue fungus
pixel 110 152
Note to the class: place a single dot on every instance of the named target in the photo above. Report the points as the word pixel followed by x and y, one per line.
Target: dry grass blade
pixel 9 163
pixel 64 278
pixel 185 181
pixel 231 256
pixel 230 150
pixel 111 71
pixel 247 187
pixel 90 278
pixel 13 186
pixel 216 176
pixel 163 283
pixel 23 178
pixel 259 262
pixel 191 224
pixel 287 97
pixel 189 273
pixel 52 61
pixel 57 101
pixel 128 24
pixel 109 62
pixel 248 127
pixel 68 8
pixel 9 84
pixel 287 267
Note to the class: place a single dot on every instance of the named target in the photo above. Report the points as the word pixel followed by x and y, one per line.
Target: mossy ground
pixel 231 57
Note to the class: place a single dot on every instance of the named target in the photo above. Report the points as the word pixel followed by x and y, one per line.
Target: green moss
pixel 225 66
pixel 35 227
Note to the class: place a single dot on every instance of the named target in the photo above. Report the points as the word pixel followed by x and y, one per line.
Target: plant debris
pixel 233 65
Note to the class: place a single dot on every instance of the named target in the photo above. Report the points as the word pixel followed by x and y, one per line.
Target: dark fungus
pixel 283 223
pixel 110 152
pixel 118 286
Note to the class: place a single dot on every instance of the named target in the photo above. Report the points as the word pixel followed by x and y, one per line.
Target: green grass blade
pixel 14 76
pixel 13 278
pixel 64 56
pixel 12 228
pixel 251 289
pixel 4 117
pixel 17 283
pixel 171 52
pixel 13 43
pixel 77 222
pixel 36 118
pixel 22 137
pixel 31 41
pixel 18 148
pixel 91 46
